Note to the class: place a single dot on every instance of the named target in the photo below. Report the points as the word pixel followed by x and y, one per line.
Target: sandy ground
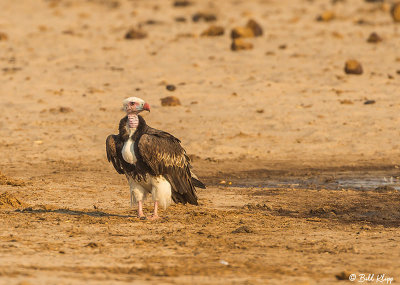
pixel 283 109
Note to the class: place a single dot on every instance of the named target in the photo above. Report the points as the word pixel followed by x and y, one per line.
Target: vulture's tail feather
pixel 197 183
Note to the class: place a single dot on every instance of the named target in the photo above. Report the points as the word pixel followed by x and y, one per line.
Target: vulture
pixel 153 161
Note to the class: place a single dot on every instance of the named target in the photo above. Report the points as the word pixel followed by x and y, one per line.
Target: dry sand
pixel 283 108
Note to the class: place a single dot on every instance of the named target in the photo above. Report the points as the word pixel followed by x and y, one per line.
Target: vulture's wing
pixel 164 155
pixel 113 149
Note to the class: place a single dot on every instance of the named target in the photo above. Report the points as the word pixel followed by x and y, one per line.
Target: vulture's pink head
pixel 134 105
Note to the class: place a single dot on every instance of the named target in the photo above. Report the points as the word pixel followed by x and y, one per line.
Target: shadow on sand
pixel 73 212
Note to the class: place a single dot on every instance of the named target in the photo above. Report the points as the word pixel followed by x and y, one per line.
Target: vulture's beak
pixel 146 107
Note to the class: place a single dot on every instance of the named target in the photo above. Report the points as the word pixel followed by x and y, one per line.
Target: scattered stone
pixel 170 87
pixel 263 207
pixel 344 275
pixel 326 16
pixel 398 71
pixel 395 11
pixel 260 111
pixel 252 29
pixel 207 17
pixel 223 262
pixel 185 35
pixel 92 245
pixel 322 211
pixel 213 31
pixel 365 227
pixel 369 102
pixel 9 201
pixel 239 44
pixel 282 46
pixel 152 22
pixel 363 22
pixel 3 36
pixel 242 32
pixel 180 19
pixel 242 230
pixel 134 34
pixel 346 102
pixel 353 67
pixel 255 27
pixel 170 101
pixel 60 110
pixel 374 38
pixel 182 3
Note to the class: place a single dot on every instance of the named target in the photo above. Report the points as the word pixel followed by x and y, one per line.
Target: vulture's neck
pixel 133 121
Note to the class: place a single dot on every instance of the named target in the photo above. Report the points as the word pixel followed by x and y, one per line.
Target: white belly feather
pixel 158 187
pixel 128 152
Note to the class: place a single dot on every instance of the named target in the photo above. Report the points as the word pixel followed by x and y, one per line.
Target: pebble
pixel 242 32
pixel 180 19
pixel 353 67
pixel 365 227
pixel 213 31
pixel 207 17
pixel 242 230
pixel 395 11
pixel 369 102
pixel 170 101
pixel 326 16
pixel 255 27
pixel 60 110
pixel 182 3
pixel 223 262
pixel 239 44
pixel 374 38
pixel 3 36
pixel 252 29
pixel 134 34
pixel 344 275
pixel 170 87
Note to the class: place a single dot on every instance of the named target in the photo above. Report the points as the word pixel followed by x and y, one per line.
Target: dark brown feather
pixel 164 155
pixel 112 150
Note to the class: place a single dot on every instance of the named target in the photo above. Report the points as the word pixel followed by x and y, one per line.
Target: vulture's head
pixel 134 105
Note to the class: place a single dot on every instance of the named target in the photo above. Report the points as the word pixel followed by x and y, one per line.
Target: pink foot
pixel 142 217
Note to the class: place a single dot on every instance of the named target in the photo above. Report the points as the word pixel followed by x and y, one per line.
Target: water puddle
pixel 370 183
pixel 336 181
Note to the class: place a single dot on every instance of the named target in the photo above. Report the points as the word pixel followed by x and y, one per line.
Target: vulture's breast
pixel 128 151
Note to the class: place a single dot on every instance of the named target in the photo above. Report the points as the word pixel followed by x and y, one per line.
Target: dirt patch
pixel 5 180
pixel 7 200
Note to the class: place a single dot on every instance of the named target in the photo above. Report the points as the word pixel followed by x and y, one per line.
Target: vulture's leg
pixel 161 192
pixel 155 213
pixel 138 195
pixel 140 210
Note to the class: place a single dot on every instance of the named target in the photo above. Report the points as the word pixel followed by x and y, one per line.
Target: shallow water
pixel 332 181
pixel 369 183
